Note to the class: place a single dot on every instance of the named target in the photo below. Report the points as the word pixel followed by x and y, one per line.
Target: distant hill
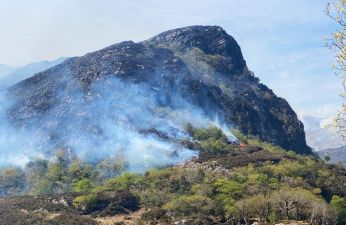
pixel 324 140
pixel 5 70
pixel 10 75
pixel 336 154
pixel 319 136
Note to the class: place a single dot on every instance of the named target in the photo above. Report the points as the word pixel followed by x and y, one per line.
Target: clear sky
pixel 281 40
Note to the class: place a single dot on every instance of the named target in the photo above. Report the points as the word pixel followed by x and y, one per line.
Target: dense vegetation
pixel 228 183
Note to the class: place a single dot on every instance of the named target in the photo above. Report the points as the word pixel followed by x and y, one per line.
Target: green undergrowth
pixel 228 183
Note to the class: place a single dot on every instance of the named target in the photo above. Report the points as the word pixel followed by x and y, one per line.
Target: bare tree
pixel 336 10
pixel 243 210
pixel 294 203
pixel 321 214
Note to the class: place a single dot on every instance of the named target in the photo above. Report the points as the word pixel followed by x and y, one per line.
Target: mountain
pixel 325 140
pixel 5 70
pixel 134 100
pixel 336 154
pixel 320 136
pixel 11 75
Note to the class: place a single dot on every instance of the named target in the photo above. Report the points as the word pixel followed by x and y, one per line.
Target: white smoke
pixel 137 121
pixel 17 146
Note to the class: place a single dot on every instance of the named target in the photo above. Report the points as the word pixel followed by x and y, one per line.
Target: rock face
pixel 201 65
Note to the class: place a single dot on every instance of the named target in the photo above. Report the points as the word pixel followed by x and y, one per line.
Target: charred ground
pixel 203 65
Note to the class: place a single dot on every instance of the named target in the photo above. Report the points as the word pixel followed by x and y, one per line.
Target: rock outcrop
pixel 202 65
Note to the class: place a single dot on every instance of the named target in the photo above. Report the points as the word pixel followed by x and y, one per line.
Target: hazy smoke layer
pixel 17 146
pixel 137 122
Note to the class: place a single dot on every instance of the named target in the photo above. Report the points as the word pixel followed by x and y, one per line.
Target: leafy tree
pixel 152 197
pixel 327 158
pixel 339 206
pixel 85 202
pixel 242 210
pixel 241 137
pixel 214 145
pixel 84 185
pixel 190 205
pixel 226 193
pixel 78 170
pixel 54 179
pixel 211 139
pixel 257 206
pixel 257 183
pixel 260 206
pixel 123 182
pixel 229 188
pixel 211 132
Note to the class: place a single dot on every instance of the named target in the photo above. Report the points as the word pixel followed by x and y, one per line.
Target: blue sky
pixel 281 40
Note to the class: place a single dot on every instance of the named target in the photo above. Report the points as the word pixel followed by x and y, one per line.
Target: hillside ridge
pixel 198 66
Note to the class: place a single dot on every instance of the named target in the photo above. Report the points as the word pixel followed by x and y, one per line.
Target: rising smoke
pixel 135 121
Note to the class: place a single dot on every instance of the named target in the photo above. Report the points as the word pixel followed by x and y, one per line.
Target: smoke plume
pixel 114 119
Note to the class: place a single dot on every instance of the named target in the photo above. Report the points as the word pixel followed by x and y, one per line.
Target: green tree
pixel 327 158
pixel 226 193
pixel 229 187
pixel 241 137
pixel 85 202
pixel 260 206
pixel 84 185
pixel 54 180
pixel 78 170
pixel 339 206
pixel 123 182
pixel 242 210
pixel 190 205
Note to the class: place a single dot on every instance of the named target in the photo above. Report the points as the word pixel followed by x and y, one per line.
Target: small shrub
pixel 213 145
pixel 211 132
pixel 71 219
pixel 154 214
pixel 85 202
pixel 239 135
pixel 83 185
pixel 190 205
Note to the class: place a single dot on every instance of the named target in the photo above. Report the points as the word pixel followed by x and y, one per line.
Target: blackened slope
pixel 203 64
pixel 211 40
pixel 128 61
pixel 216 57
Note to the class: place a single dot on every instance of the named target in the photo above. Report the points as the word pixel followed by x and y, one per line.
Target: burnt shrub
pixel 154 214
pixel 70 219
pixel 11 216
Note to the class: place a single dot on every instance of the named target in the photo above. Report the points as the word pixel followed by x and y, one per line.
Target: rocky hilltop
pixel 199 68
